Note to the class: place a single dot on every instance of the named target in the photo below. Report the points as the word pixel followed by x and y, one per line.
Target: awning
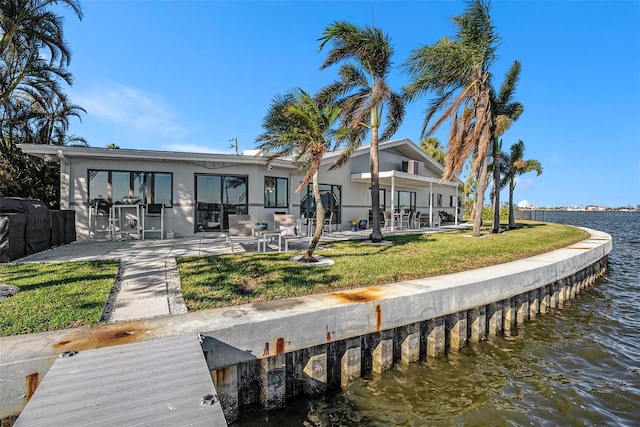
pixel 401 179
pixel 394 178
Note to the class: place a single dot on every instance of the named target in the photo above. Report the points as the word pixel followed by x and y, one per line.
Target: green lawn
pixel 218 281
pixel 54 295
pixel 63 295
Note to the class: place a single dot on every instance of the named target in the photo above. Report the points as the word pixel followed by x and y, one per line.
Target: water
pixel 576 366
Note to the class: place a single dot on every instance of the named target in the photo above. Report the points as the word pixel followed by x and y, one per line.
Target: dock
pixel 161 382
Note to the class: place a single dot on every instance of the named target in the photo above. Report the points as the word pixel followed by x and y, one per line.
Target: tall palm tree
pixel 303 127
pixel 514 165
pixel 433 148
pixel 33 106
pixel 506 111
pixel 362 93
pixel 457 72
pixel 32 48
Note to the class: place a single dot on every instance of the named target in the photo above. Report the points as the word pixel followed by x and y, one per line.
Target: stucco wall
pixel 179 218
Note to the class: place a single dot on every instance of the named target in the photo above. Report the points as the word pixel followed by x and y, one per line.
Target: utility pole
pixel 235 144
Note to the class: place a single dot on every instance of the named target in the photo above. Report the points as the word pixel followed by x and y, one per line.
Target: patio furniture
pixel 99 214
pixel 125 220
pixel 416 220
pixel 289 228
pixel 242 230
pixel 328 223
pixel 397 219
pixel 284 220
pixel 405 219
pixel 153 219
pixel 425 220
pixel 387 219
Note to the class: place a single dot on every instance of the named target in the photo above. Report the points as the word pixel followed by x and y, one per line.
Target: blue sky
pixel 190 76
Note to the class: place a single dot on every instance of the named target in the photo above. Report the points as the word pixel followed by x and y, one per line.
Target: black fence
pixel 27 226
pixel 529 214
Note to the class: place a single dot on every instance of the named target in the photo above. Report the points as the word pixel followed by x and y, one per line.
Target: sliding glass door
pixel 217 196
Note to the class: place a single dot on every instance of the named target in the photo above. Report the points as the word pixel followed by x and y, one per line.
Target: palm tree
pixel 362 92
pixel 506 111
pixel 33 106
pixel 31 32
pixel 514 165
pixel 304 128
pixel 433 148
pixel 457 72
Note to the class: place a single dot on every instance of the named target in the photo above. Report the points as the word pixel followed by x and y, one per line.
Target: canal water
pixel 576 366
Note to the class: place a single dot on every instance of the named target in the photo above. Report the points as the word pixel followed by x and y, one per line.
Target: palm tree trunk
pixel 512 220
pixel 308 255
pixel 374 163
pixel 496 186
pixel 482 186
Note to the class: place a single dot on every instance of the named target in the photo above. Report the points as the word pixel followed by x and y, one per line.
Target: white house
pixel 198 190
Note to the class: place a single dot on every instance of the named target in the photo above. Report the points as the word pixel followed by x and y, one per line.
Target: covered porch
pixel 395 179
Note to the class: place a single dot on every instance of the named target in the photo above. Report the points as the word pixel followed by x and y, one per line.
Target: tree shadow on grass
pixel 224 280
pixel 55 274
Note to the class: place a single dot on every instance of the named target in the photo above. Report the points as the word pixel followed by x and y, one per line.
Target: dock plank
pixel 151 383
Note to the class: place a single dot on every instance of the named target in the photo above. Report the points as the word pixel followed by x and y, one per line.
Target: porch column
pixel 290 195
pixel 456 223
pixel 430 204
pixel 393 202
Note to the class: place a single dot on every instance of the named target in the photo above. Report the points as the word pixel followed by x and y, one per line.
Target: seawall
pixel 266 352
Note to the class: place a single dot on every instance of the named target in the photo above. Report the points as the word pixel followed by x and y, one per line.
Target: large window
pixel 217 196
pixel 405 200
pixel 276 192
pixel 331 196
pixel 120 186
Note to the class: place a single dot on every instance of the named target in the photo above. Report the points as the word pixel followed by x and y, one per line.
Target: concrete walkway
pixel 148 283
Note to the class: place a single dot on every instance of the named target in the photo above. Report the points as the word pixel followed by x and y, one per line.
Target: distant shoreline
pixel 580 209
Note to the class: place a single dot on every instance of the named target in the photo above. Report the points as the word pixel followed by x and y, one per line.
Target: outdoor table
pixel 269 234
pixel 397 219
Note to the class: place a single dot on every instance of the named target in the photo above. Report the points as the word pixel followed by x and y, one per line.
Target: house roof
pixel 58 153
pixel 404 146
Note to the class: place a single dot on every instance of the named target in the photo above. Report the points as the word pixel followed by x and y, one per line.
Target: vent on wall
pixel 410 166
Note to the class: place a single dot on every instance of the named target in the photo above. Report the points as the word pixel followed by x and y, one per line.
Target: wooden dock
pixel 163 382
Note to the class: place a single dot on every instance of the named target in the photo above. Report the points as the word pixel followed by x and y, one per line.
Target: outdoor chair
pixel 328 224
pixel 425 220
pixel 387 219
pixel 416 220
pixel 406 219
pixel 242 230
pixel 286 224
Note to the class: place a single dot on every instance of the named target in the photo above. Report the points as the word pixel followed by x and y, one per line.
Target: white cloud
pixel 133 111
pixel 555 157
pixel 524 184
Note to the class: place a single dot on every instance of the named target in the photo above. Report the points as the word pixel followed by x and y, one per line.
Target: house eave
pixel 403 179
pixel 55 153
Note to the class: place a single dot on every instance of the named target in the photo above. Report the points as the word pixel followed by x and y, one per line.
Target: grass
pixel 224 280
pixel 54 295
pixel 64 295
